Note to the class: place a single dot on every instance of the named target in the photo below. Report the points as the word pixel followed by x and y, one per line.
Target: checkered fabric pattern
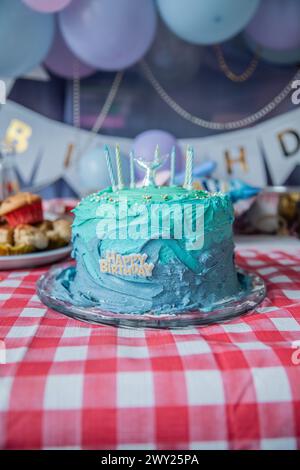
pixel 67 384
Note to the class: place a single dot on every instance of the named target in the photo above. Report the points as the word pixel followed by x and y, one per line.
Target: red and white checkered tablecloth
pixel 67 384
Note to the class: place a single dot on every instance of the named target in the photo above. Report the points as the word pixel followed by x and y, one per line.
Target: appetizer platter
pixel 27 237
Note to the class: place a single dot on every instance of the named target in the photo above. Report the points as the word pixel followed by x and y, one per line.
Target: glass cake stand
pixel 253 291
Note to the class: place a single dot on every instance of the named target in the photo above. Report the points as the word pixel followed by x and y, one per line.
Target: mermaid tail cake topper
pixel 151 167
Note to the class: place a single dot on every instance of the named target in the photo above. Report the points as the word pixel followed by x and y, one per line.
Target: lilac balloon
pixel 47 6
pixel 61 61
pixel 110 35
pixel 276 25
pixel 290 57
pixel 145 143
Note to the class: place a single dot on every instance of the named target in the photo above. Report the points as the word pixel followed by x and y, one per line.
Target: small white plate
pixel 32 260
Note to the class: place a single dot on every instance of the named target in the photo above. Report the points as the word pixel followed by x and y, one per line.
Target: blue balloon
pixel 207 21
pixel 93 170
pixel 25 38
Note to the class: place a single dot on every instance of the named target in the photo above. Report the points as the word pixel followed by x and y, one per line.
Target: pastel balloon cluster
pixel 275 30
pixel 88 35
pixel 75 38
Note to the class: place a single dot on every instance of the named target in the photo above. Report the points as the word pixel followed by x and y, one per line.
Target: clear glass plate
pixel 253 291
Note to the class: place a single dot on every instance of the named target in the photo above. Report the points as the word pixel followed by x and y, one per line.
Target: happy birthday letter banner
pixel 47 150
pixel 280 140
pixel 241 154
pixel 42 145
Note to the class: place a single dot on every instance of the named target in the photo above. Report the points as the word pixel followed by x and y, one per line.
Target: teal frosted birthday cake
pixel 152 249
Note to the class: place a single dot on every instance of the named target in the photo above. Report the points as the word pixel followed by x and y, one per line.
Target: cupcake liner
pixel 5 249
pixel 10 250
pixel 28 214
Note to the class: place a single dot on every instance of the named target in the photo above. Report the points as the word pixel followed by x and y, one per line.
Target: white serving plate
pixel 33 260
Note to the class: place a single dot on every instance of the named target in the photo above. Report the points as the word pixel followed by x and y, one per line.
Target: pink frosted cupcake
pixel 22 208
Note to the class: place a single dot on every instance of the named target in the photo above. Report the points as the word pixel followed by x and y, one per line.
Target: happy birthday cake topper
pixel 126 265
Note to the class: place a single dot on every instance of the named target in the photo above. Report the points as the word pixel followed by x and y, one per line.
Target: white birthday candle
pixel 188 182
pixel 119 168
pixel 132 178
pixel 109 167
pixel 172 166
pixel 156 153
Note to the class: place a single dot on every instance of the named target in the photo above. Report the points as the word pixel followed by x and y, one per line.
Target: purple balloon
pixel 109 35
pixel 276 25
pixel 61 61
pixel 145 143
pixel 47 6
pixel 290 57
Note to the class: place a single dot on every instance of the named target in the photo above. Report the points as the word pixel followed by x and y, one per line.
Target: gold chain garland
pixel 234 77
pixel 218 126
